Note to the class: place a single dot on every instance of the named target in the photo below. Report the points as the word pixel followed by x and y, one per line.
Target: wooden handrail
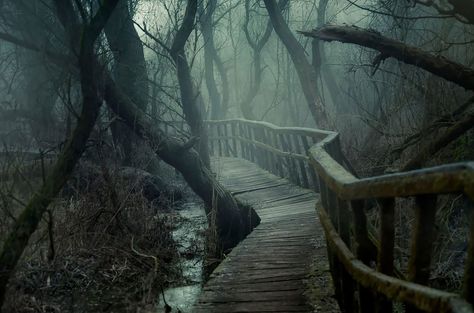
pixel 337 184
pixel 280 150
pixel 352 249
pixel 457 177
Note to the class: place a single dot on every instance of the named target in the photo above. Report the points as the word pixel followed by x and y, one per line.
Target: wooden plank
pixel 268 271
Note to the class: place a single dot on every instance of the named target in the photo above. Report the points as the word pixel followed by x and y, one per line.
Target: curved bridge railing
pixel 361 260
pixel 279 150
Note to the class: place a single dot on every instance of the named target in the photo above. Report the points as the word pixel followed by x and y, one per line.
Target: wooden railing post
pixel 387 242
pixel 270 155
pixel 257 132
pixel 282 151
pixel 291 165
pixel 219 139
pixel 312 172
pixel 278 158
pixel 336 266
pixel 233 131
pixel 363 252
pixel 226 139
pixel 302 163
pixel 344 229
pixel 284 160
pixel 422 242
pixel 243 145
pixel 253 148
pixel 210 138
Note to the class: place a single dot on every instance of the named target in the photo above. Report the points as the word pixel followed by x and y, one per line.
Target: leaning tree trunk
pixel 189 95
pixel 437 65
pixel 129 72
pixel 28 221
pixel 303 68
pixel 233 223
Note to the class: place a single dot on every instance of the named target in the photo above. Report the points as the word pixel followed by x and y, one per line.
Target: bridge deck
pixel 281 265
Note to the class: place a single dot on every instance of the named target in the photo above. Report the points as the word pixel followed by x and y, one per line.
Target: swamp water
pixel 189 237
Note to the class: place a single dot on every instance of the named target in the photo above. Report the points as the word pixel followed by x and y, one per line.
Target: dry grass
pixel 112 251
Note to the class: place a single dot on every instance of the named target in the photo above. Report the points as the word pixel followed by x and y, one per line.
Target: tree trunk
pixel 29 219
pixel 225 84
pixel 189 96
pixel 304 69
pixel 205 22
pixel 129 71
pixel 257 47
pixel 319 59
pixel 233 222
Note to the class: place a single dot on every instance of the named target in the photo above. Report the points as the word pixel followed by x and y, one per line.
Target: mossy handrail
pixel 364 280
pixel 342 214
pixel 279 150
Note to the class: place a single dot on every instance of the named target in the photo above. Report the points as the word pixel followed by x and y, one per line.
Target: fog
pixel 114 114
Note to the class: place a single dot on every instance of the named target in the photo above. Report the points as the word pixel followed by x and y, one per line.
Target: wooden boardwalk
pixel 272 269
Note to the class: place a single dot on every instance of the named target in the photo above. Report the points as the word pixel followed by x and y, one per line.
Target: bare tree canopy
pixel 169 154
pixel 449 70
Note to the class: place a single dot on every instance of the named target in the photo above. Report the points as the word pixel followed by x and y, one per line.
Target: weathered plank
pixel 268 271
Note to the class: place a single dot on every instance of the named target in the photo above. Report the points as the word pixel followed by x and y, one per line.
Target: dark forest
pixel 236 156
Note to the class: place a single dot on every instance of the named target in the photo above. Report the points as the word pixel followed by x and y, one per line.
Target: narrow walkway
pixel 281 266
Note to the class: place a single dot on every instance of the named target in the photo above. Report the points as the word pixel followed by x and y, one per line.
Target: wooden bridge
pixel 307 197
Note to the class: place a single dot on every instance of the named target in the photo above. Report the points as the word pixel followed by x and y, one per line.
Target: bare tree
pixel 31 215
pixel 305 70
pixel 219 101
pixel 440 66
pixel 130 71
pixel 256 44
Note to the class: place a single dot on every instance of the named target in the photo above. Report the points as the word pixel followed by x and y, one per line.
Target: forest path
pixel 281 266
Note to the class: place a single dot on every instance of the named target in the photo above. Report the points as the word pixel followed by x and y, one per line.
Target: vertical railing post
pixel 344 230
pixel 253 147
pixel 302 163
pixel 285 142
pixel 284 160
pixel 243 145
pixel 266 155
pixel 211 138
pixel 312 172
pixel 257 137
pixel 336 266
pixel 278 158
pixel 219 139
pixel 363 252
pixel 233 131
pixel 271 155
pixel 226 139
pixel 422 241
pixel 387 242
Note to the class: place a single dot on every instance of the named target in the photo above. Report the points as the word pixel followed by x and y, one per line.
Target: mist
pixel 148 145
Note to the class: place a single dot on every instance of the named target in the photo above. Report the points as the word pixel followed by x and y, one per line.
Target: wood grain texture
pixel 268 271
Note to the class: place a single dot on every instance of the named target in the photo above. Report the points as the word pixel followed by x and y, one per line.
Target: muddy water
pixel 189 235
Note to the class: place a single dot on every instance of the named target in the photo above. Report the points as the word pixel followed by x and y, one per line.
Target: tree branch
pixel 437 65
